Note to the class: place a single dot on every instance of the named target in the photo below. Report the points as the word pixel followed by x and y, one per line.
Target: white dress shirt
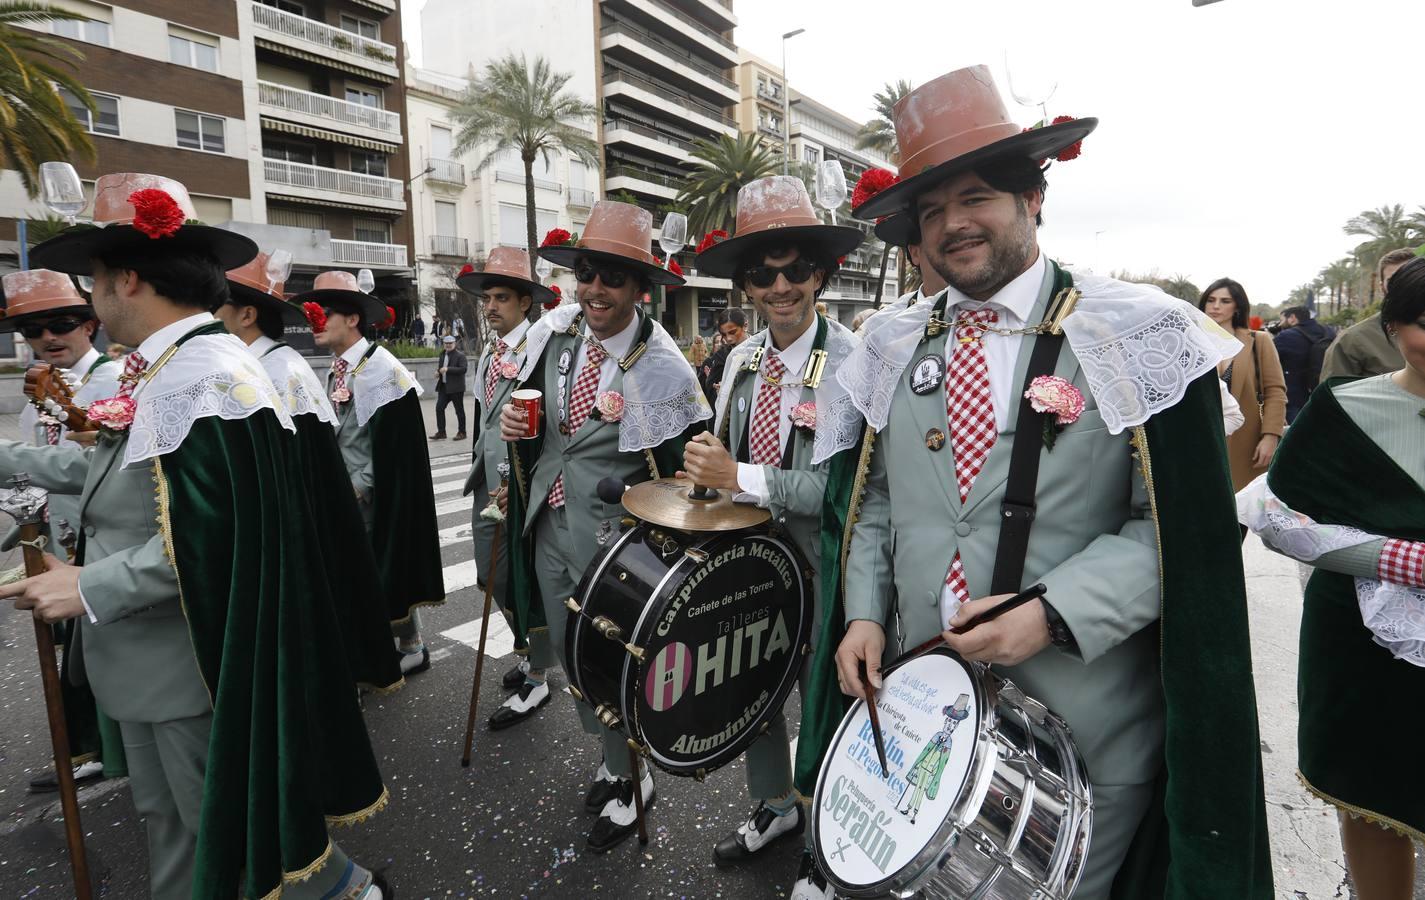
pixel 260 345
pixel 616 347
pixel 353 355
pixel 1014 302
pixel 752 478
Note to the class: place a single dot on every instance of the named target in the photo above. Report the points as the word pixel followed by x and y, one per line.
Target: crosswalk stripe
pixel 448 487
pixel 454 505
pixel 459 576
pixel 462 469
pixel 499 642
pixel 455 533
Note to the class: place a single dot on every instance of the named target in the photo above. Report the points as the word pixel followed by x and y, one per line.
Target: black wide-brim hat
pixel 898 230
pixel 619 234
pixel 506 264
pixel 567 256
pixel 772 211
pixel 74 250
pixel 35 295
pixel 337 290
pixel 291 313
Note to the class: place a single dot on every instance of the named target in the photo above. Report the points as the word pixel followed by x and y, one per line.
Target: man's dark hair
pixel 1396 257
pixel 521 291
pixel 269 320
pixel 1404 302
pixel 735 316
pixel 1243 310
pixel 1302 313
pixel 1009 174
pixel 820 257
pixel 186 277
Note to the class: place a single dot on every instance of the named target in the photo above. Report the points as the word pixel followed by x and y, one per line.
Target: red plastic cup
pixel 530 401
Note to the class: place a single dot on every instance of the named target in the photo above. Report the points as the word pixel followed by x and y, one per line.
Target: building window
pixel 811 155
pixel 194 52
pixel 296 218
pixel 441 144
pixel 91 31
pixel 105 119
pixel 364 27
pixel 373 231
pixel 445 219
pixel 199 132
pixel 368 97
pixel 368 163
pixel 288 151
pixel 286 6
pixel 512 224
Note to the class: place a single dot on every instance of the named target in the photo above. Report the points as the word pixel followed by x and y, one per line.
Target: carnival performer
pixel 59 325
pixel 923 779
pixel 1000 461
pixel 197 600
pixel 509 298
pixel 781 417
pixel 381 432
pixel 1346 494
pixel 258 315
pixel 600 363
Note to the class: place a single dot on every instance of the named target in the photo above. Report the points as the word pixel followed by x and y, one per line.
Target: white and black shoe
pixel 84 773
pixel 811 884
pixel 604 789
pixel 520 705
pixel 619 817
pixel 762 829
pixel 512 679
pixel 415 662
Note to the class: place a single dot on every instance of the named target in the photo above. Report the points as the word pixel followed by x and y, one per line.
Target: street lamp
pixel 787 102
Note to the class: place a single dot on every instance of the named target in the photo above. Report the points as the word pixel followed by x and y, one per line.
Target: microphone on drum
pixel 610 490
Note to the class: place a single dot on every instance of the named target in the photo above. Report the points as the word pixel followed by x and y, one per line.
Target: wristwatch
pixel 1059 634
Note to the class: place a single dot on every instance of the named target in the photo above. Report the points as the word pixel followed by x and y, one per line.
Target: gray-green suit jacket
pixel 1093 543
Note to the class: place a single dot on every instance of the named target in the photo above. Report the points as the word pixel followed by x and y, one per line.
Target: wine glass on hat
pixel 830 186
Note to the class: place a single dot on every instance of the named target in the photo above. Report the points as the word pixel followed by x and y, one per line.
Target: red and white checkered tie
pixel 971 413
pixel 581 403
pixel 134 366
pixel 339 367
pixel 765 438
pixel 492 375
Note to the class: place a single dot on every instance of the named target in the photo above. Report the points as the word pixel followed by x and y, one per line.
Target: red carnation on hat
pixel 556 290
pixel 316 316
pixel 557 237
pixel 716 236
pixel 1073 150
pixel 155 213
pixel 558 297
pixel 871 183
pixel 390 318
pixel 841 260
pixel 466 269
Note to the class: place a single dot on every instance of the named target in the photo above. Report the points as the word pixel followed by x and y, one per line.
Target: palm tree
pixel 514 106
pixel 1337 277
pixel 1385 229
pixel 35 122
pixel 879 134
pixel 724 165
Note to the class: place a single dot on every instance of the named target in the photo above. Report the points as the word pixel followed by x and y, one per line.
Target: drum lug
pixel 638 748
pixel 607 717
pixel 985 845
pixel 573 605
pixel 634 651
pixel 608 628
pixel 696 555
pixel 700 775
pixel 575 693
pixel 628 521
pixel 806 649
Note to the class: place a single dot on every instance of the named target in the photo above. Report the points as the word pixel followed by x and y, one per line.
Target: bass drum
pixel 987 797
pixel 689 643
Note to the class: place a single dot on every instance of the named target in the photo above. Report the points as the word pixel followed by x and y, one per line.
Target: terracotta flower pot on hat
pixel 504 264
pixel 134 211
pixel 955 123
pixel 774 210
pixel 619 233
pixel 249 284
pixel 39 292
pixel 337 290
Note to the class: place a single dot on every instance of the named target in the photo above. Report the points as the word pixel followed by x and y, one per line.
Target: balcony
pixel 621 40
pixel 686 28
pixel 321 184
pixel 447 245
pixel 368 253
pixel 319 42
pixel 321 111
pixel 580 198
pixel 659 99
pixel 648 139
pixel 716 12
pixel 542 184
pixel 642 181
pixel 769 95
pixel 446 170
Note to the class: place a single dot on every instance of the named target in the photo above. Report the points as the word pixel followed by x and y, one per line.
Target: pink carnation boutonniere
pixel 804 416
pixel 609 406
pixel 1058 397
pixel 113 413
pixel 509 370
pixel 341 395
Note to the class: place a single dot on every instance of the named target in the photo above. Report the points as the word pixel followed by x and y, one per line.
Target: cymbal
pixel 668 502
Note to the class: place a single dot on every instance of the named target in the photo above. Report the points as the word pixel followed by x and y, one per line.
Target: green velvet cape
pixel 351 573
pixel 404 534
pixel 289 752
pixel 1351 693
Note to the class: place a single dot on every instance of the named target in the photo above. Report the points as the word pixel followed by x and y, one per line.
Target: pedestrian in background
pixel 697 351
pixel 1364 348
pixel 450 388
pixel 1302 346
pixel 1254 379
pixel 418 330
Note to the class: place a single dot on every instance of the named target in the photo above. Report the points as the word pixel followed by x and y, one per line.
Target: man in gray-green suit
pixel 772 441
pixel 942 383
pixel 620 399
pixel 507 296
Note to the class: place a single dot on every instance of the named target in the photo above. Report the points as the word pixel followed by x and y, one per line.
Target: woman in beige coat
pixel 1254 378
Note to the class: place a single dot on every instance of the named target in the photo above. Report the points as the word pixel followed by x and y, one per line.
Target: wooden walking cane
pixel 504 469
pixel 27 505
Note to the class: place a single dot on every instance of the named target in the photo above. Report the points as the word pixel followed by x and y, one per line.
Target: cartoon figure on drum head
pixel 923 780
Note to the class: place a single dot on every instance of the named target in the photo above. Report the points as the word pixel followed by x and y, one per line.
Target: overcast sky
pixel 1234 139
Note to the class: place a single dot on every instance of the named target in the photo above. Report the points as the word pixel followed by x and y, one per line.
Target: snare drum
pixel 689 643
pixel 987 799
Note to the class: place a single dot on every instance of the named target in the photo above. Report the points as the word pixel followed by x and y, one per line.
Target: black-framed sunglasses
pixel 62 325
pixel 611 276
pixel 798 271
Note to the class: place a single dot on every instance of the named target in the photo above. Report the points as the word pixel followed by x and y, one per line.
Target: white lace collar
pixel 298 386
pixel 1138 347
pixel 208 375
pixel 377 380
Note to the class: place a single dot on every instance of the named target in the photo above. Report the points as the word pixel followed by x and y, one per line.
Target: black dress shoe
pixel 84 773
pixel 761 830
pixel 378 880
pixel 520 706
pixel 515 676
pixel 619 820
pixel 604 789
pixel 409 666
pixel 810 883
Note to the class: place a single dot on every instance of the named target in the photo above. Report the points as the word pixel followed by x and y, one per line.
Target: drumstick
pixel 875 720
pixel 994 612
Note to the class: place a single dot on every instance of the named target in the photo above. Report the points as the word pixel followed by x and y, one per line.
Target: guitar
pixel 50 393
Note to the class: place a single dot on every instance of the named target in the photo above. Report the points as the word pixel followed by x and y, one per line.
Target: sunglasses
pixel 611 276
pixel 798 271
pixel 53 326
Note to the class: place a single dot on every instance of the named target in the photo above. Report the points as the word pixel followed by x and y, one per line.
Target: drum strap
pixel 1017 508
